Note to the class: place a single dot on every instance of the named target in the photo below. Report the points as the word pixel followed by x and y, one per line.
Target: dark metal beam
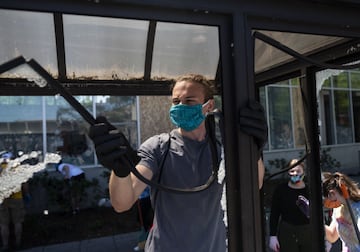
pixel 149 49
pixel 308 85
pixel 60 45
pixel 144 10
pixel 244 210
pixel 304 16
pixel 11 87
pixel 304 26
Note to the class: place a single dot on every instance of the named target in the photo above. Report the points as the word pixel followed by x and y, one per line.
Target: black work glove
pixel 303 204
pixel 253 122
pixel 112 148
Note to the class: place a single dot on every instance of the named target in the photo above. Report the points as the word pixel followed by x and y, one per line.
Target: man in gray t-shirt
pixel 182 222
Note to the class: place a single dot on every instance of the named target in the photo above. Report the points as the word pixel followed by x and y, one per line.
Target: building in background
pixel 40 122
pixel 338 94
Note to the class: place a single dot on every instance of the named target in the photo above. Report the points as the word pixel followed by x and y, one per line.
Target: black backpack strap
pixel 161 165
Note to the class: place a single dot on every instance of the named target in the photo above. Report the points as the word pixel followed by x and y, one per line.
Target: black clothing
pixel 284 206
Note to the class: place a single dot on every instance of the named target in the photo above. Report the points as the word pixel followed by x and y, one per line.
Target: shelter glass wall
pixel 283 105
pixel 50 124
pixel 20 129
pixel 104 48
pixel 340 106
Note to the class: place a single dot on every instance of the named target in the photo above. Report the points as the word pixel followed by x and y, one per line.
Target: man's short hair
pixel 209 86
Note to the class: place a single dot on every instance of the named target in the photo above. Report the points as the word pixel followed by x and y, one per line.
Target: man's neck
pixel 197 134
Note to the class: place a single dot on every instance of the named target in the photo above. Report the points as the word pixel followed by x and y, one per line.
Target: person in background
pixel 12 210
pixel 74 177
pixel 285 140
pixel 182 222
pixel 337 189
pixel 146 215
pixel 289 225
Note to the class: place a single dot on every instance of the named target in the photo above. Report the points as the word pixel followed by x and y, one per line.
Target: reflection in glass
pixel 30 34
pixel 280 118
pixel 343 117
pixel 121 112
pixel 184 48
pixel 355 79
pixel 104 48
pixel 339 104
pixel 66 130
pixel 327 83
pixel 20 124
pixel 341 80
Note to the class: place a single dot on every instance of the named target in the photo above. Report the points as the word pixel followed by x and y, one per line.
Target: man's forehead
pixel 186 87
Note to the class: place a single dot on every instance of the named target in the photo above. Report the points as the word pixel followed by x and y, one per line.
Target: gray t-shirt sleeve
pixel 151 151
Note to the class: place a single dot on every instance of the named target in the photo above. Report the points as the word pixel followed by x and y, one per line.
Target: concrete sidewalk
pixel 122 242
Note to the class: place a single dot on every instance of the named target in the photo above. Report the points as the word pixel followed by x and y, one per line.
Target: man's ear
pixel 211 105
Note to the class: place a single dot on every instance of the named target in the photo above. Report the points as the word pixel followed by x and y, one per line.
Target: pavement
pixel 121 242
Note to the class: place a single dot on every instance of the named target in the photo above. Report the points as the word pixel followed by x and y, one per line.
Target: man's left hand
pixel 253 122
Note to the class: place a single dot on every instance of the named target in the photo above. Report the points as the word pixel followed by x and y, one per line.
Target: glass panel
pixel 343 117
pixel 341 80
pixel 327 83
pixel 104 48
pixel 20 124
pixel 184 48
pixel 324 79
pixel 295 82
pixel 66 130
pixel 267 56
pixel 30 34
pixel 280 118
pixel 355 80
pixel 121 112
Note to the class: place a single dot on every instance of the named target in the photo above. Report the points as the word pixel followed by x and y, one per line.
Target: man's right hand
pixel 112 148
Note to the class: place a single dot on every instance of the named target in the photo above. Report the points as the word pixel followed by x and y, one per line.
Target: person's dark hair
pixel 333 181
pixel 209 86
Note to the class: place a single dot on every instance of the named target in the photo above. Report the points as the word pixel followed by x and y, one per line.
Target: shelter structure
pixel 136 47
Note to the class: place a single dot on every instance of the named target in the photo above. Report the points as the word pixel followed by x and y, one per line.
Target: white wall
pixel 347 154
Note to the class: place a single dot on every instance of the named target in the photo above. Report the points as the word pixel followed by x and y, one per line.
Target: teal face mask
pixel 296 178
pixel 187 117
